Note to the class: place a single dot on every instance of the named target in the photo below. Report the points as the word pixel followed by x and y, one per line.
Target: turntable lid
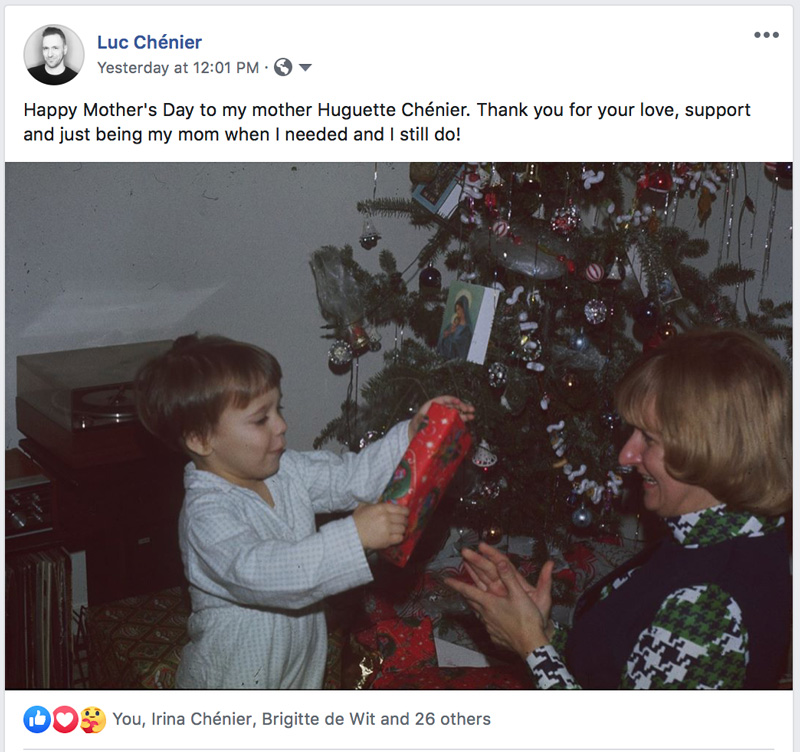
pixel 92 366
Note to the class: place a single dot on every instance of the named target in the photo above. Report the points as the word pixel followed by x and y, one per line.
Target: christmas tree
pixel 580 280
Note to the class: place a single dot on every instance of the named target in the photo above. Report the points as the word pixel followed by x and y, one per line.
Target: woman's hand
pixel 513 621
pixel 483 569
pixel 467 412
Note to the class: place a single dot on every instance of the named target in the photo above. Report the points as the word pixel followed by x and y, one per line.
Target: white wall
pixel 101 254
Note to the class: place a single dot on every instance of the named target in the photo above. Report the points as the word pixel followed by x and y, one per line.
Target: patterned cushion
pixel 135 643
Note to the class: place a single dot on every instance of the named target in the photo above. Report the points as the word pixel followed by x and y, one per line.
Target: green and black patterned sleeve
pixel 697 641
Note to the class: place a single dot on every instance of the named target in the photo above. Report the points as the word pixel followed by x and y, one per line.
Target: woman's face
pixel 459 312
pixel 663 494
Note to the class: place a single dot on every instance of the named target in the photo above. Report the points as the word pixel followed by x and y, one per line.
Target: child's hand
pixel 380 525
pixel 466 411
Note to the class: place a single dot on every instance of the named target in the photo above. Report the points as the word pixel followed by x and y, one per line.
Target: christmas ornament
pixel 594 273
pixel 615 272
pixel 582 517
pixel 492 534
pixel 657 177
pixel 359 340
pixel 783 170
pixel 533 299
pixel 498 375
pixel 645 312
pixel 529 181
pixel 515 293
pixel 495 179
pixel 715 313
pixel 472 186
pixel 565 220
pixel 374 341
pixel 568 262
pixel 368 438
pixel 483 456
pixel 338 293
pixel 590 178
pixel 531 251
pixel 579 341
pixel 369 235
pixel 595 311
pixel 430 281
pixel 610 419
pixel 340 355
pixel 653 341
pixel 500 228
pixel 529 349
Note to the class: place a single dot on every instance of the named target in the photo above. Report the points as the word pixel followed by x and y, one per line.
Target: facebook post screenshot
pixel 375 371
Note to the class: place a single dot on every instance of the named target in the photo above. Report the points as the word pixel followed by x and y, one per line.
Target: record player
pixel 79 404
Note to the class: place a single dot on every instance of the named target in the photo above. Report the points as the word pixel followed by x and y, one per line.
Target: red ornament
pixel 565 220
pixel 652 342
pixel 657 177
pixel 568 262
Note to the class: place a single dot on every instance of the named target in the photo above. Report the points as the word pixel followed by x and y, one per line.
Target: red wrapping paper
pixel 420 480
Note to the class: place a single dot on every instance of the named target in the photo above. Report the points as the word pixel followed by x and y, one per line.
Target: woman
pixel 457 337
pixel 710 605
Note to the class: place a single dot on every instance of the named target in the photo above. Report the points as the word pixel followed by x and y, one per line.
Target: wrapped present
pixel 431 460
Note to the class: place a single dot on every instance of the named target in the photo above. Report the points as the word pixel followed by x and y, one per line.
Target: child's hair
pixel 721 401
pixel 184 392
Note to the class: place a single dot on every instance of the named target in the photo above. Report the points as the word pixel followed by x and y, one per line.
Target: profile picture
pixel 53 54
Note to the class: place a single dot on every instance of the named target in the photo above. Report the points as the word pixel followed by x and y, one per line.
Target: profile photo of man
pixel 54 70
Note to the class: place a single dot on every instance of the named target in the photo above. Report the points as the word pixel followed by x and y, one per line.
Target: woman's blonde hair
pixel 721 402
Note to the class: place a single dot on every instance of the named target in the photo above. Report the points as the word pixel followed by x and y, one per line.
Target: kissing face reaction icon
pixel 93 720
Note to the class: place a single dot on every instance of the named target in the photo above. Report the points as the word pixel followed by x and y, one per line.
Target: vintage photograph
pixel 296 426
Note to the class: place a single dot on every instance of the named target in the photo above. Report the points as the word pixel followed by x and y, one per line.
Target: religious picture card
pixel 467 324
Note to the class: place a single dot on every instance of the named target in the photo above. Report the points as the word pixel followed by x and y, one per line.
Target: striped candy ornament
pixel 594 272
pixel 500 228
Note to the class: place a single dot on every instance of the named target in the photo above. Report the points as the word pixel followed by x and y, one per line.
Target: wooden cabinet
pixel 124 515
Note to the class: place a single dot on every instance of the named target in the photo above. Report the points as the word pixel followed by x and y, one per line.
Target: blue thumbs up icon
pixel 36 719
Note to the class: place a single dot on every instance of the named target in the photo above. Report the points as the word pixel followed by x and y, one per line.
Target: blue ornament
pixel 582 517
pixel 646 312
pixel 579 341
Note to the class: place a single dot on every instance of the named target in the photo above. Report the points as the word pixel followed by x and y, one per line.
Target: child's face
pixel 247 444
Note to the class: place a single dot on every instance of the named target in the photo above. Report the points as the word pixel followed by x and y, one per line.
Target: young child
pixel 257 567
